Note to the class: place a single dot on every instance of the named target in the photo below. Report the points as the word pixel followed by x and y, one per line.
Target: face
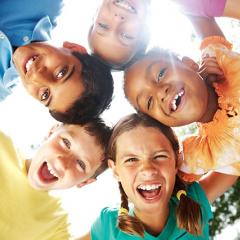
pixel 146 167
pixel 51 75
pixel 118 29
pixel 169 91
pixel 70 156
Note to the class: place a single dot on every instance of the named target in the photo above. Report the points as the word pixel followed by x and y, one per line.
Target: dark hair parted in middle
pixel 97 97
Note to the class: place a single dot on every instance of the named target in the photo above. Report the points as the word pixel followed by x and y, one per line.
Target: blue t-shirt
pixel 20 23
pixel 105 227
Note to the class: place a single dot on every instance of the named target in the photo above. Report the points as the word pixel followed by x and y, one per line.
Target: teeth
pixel 149 187
pixel 173 103
pixel 50 169
pixel 30 62
pixel 126 5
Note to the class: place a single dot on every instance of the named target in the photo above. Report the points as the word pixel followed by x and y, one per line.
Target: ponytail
pixel 188 211
pixel 126 223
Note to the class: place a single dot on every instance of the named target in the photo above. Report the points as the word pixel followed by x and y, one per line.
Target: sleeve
pixel 197 193
pixel 100 226
pixel 202 8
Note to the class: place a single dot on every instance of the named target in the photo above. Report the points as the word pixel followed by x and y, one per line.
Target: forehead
pixel 142 138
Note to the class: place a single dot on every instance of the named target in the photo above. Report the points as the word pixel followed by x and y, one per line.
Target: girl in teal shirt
pixel 144 156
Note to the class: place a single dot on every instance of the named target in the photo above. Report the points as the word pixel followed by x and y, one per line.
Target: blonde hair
pixel 188 212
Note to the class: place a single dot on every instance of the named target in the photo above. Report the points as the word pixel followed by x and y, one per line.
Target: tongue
pixel 45 174
pixel 149 194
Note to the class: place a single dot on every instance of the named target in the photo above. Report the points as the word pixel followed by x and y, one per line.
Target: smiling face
pixel 51 75
pixel 70 156
pixel 167 90
pixel 146 167
pixel 119 29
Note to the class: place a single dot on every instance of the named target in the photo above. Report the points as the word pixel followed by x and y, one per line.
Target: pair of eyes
pixel 123 35
pixel 45 94
pixel 158 78
pixel 157 157
pixel 67 145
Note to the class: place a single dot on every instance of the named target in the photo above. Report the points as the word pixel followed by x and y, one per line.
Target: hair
pixel 188 212
pixel 98 83
pixel 143 43
pixel 101 132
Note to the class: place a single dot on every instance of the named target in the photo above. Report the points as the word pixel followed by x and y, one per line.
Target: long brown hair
pixel 188 211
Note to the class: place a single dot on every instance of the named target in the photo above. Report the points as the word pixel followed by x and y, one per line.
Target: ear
pixel 90 180
pixel 111 164
pixel 180 159
pixel 74 47
pixel 190 63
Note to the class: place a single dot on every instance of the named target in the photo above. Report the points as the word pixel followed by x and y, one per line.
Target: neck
pixel 211 107
pixel 154 223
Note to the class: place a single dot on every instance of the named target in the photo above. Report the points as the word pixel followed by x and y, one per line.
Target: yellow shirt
pixel 25 213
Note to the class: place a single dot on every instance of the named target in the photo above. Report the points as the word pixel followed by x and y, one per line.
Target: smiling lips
pixel 29 63
pixel 149 192
pixel 125 5
pixel 47 174
pixel 176 101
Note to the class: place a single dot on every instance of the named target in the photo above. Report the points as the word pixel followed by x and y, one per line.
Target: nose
pixel 162 92
pixel 148 170
pixel 119 16
pixel 63 162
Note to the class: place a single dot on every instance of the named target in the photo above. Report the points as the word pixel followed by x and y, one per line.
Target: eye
pixel 126 36
pixel 103 26
pixel 62 72
pixel 161 74
pixel 131 160
pixel 160 156
pixel 149 102
pixel 66 143
pixel 81 164
pixel 45 95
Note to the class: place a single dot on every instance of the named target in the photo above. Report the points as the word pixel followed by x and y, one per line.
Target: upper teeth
pixel 30 62
pixel 149 187
pixel 125 4
pixel 173 103
pixel 50 169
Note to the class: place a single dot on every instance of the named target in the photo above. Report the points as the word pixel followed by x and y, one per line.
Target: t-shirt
pixel 26 214
pixel 105 226
pixel 205 8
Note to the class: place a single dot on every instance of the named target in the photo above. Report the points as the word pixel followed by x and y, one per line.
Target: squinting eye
pixel 149 102
pixel 67 143
pixel 129 160
pixel 62 73
pixel 81 164
pixel 161 74
pixel 45 95
pixel 160 156
pixel 126 36
pixel 103 26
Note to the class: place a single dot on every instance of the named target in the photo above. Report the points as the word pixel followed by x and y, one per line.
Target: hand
pixel 210 70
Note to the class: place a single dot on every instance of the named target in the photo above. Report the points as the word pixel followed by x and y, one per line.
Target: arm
pixel 85 237
pixel 215 184
pixel 205 27
pixel 232 9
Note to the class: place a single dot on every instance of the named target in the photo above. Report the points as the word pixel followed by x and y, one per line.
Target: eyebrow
pixel 149 68
pixel 65 80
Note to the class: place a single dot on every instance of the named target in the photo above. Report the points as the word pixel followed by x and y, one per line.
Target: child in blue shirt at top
pixel 63 79
pixel 145 166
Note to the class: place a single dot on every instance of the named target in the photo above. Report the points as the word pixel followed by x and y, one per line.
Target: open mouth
pixel 125 5
pixel 149 192
pixel 47 174
pixel 176 101
pixel 29 63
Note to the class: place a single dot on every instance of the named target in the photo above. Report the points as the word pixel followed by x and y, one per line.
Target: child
pixel 62 79
pixel 120 31
pixel 72 155
pixel 145 165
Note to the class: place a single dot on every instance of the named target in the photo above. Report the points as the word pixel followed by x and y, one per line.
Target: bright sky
pixel 28 122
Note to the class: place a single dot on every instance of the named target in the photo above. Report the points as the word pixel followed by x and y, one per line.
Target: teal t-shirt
pixel 105 226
